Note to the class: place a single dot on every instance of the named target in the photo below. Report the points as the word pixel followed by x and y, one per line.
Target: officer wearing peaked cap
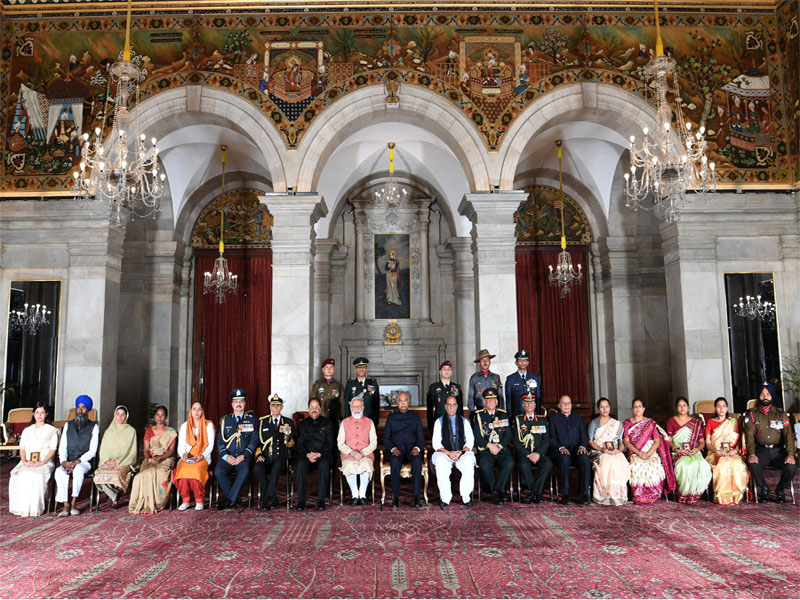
pixel 531 442
pixel 492 440
pixel 439 391
pixel 366 387
pixel 521 383
pixel 275 439
pixel 236 445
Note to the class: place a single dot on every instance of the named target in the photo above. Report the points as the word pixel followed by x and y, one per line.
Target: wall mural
pixel 538 219
pixel 247 223
pixel 735 72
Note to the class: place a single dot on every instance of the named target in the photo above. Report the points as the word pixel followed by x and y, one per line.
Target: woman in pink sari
pixel 648 448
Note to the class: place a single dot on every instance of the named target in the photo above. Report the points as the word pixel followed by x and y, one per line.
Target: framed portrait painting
pixel 392 276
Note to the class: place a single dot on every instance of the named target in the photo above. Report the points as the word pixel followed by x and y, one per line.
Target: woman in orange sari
pixel 730 473
pixel 195 443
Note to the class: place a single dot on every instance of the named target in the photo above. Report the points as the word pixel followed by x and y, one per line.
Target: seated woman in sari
pixel 651 466
pixel 150 490
pixel 611 468
pixel 692 472
pixel 731 475
pixel 118 454
pixel 195 442
pixel 28 480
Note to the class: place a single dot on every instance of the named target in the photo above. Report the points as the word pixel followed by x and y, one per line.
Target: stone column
pixel 361 228
pixel 292 282
pixel 464 288
pixel 423 218
pixel 322 301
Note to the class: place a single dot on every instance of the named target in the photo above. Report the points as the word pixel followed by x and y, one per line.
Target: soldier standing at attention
pixel 770 442
pixel 329 392
pixel 368 386
pixel 440 390
pixel 483 380
pixel 521 383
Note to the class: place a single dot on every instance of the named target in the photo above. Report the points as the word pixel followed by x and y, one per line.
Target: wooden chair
pixel 71 415
pixel 18 417
pixel 405 472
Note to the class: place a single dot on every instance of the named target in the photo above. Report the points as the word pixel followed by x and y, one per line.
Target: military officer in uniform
pixel 329 392
pixel 521 383
pixel 770 442
pixel 315 444
pixel 531 441
pixel 236 446
pixel 481 381
pixel 439 391
pixel 492 439
pixel 274 442
pixel 368 386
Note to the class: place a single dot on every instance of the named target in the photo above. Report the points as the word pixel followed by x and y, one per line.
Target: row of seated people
pixel 659 460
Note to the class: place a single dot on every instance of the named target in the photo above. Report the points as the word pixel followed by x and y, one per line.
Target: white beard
pixel 357 415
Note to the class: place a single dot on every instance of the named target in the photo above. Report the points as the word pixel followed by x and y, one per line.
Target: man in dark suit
pixel 366 387
pixel 404 439
pixel 236 446
pixel 521 383
pixel 274 441
pixel 531 441
pixel 569 440
pixel 315 443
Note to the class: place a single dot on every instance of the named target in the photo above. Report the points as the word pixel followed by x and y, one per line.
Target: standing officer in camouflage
pixel 521 383
pixel 770 443
pixel 492 440
pixel 483 380
pixel 236 445
pixel 272 453
pixel 532 441
pixel 329 392
pixel 439 391
pixel 368 386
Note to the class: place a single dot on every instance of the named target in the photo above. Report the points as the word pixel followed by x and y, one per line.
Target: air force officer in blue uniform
pixel 521 383
pixel 236 444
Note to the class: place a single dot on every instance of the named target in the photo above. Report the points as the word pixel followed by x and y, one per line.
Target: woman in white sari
pixel 611 469
pixel 28 481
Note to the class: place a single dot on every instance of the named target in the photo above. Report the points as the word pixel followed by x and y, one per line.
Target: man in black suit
pixel 315 443
pixel 404 439
pixel 569 441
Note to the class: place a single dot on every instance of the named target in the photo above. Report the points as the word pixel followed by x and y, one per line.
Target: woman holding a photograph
pixel 692 472
pixel 722 440
pixel 611 468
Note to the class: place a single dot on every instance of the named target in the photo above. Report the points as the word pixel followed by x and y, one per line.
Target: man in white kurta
pixel 76 450
pixel 357 441
pixel 453 442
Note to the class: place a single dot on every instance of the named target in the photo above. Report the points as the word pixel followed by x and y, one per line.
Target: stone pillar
pixel 292 281
pixel 361 228
pixel 322 301
pixel 464 287
pixel 423 218
pixel 494 243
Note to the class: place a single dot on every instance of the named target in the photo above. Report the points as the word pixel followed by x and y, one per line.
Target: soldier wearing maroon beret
pixel 329 392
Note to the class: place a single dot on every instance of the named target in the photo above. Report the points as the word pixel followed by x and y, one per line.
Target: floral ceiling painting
pixel 737 73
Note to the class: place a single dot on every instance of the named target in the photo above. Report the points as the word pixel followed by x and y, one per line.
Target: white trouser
pixel 62 480
pixel 358 484
pixel 444 466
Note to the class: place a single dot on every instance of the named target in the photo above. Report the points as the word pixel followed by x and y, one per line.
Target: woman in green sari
pixel 692 472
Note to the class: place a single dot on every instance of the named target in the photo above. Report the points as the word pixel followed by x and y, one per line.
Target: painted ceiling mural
pixel 737 72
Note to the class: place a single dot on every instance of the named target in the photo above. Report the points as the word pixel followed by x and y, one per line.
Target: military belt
pixel 766 445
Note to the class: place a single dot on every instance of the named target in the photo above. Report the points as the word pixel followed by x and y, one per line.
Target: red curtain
pixel 233 340
pixel 555 330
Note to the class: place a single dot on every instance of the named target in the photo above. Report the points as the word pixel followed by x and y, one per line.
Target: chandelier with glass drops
pixel 125 175
pixel 564 275
pixel 221 281
pixel 391 195
pixel 29 319
pixel 667 164
pixel 753 308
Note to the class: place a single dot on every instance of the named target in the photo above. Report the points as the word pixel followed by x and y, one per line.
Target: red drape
pixel 554 330
pixel 233 340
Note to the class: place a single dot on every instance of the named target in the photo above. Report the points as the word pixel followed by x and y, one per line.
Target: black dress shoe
pixel 265 506
pixel 585 500
pixel 321 505
pixel 780 498
pixel 274 503
pixel 354 502
pixel 564 499
pixel 496 498
pixel 362 501
pixel 237 504
pixel 468 503
pixel 395 502
pixel 763 496
pixel 300 506
pixel 222 504
pixel 535 499
pixel 417 502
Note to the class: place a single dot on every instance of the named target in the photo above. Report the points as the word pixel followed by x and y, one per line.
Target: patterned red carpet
pixel 515 551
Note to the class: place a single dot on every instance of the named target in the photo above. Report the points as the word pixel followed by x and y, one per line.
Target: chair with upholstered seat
pixel 385 471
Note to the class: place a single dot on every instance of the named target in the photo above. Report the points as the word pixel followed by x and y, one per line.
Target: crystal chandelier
pixel 221 281
pixel 753 308
pixel 564 275
pixel 391 195
pixel 667 164
pixel 29 319
pixel 125 175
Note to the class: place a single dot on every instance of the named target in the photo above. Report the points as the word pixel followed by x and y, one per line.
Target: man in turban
pixel 77 448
